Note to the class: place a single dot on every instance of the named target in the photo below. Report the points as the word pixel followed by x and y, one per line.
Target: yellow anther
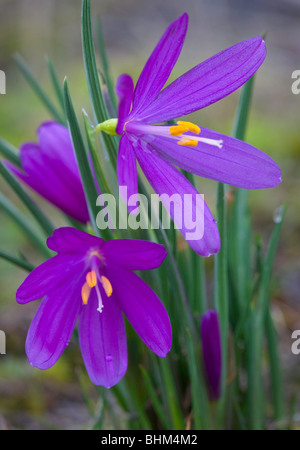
pixel 188 142
pixel 91 279
pixel 178 130
pixel 85 293
pixel 190 126
pixel 106 285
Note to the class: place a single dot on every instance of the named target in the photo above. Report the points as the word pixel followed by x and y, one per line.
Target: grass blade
pixel 90 190
pixel 25 225
pixel 10 152
pixel 36 212
pixel 56 84
pixel 257 324
pixel 22 263
pixel 38 89
pixel 105 65
pixel 92 77
pixel 154 399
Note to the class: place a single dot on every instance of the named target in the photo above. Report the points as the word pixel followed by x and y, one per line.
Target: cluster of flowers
pixel 92 279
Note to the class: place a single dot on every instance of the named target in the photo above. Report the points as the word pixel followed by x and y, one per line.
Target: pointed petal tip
pixel 184 17
pixel 164 352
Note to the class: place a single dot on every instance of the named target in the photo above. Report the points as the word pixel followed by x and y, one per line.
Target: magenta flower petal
pixel 144 310
pixel 127 170
pixel 159 65
pixel 71 240
pixel 54 140
pixel 103 342
pixel 50 168
pixel 212 352
pixel 135 254
pixel 52 326
pixel 189 210
pixel 124 90
pixel 236 162
pixel 207 83
pixel 49 276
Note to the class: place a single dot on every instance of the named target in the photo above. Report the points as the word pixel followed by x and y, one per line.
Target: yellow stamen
pixel 190 126
pixel 106 285
pixel 91 279
pixel 85 293
pixel 188 142
pixel 178 130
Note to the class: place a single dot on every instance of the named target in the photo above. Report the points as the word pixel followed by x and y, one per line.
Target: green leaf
pixel 36 212
pixel 56 84
pixel 278 393
pixel 240 237
pixel 90 65
pixel 89 187
pixel 98 167
pixel 127 395
pixel 105 65
pixel 172 395
pixel 25 225
pixel 38 89
pixel 257 329
pixel 10 152
pixel 221 296
pixel 92 77
pixel 154 399
pixel 23 263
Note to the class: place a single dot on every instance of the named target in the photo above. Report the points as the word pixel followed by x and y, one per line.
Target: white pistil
pixel 100 302
pixel 215 142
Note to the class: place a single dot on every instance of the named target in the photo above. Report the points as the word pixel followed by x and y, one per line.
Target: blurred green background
pixel 32 399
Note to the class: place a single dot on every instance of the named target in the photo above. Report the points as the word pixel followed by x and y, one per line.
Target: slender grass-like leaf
pixel 128 396
pixel 105 65
pixel 98 167
pixel 221 298
pixel 240 226
pixel 22 263
pixel 171 392
pixel 278 394
pixel 90 64
pixel 56 84
pixel 257 329
pixel 89 187
pixel 28 75
pixel 92 77
pixel 25 225
pixel 155 400
pixel 10 152
pixel 36 212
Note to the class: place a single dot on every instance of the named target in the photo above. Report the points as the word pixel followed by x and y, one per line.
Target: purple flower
pixel 211 352
pixel 92 279
pixel 202 152
pixel 50 168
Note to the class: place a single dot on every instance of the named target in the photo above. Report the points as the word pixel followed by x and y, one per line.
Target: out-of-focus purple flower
pixel 50 168
pixel 199 151
pixel 211 352
pixel 93 280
